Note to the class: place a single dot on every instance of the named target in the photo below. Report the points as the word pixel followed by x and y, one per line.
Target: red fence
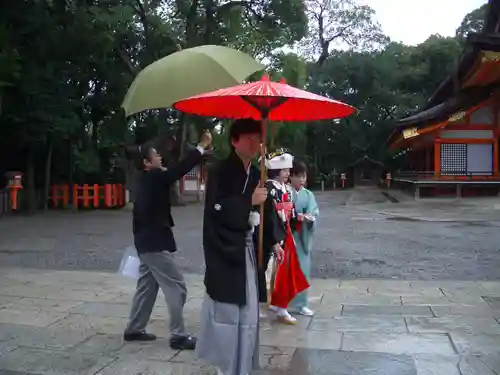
pixel 88 196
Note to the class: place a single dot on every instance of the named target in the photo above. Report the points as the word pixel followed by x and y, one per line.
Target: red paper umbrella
pixel 265 100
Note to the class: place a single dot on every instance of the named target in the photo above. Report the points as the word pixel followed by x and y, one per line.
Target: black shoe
pixel 138 336
pixel 183 342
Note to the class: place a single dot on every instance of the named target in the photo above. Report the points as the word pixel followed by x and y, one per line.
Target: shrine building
pixel 451 145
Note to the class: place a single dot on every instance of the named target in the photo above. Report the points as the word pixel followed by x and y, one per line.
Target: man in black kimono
pixel 155 244
pixel 230 312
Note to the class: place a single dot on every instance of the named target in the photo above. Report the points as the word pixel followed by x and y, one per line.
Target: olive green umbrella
pixel 186 73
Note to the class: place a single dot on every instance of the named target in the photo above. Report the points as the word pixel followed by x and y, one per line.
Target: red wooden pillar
pixel 427 160
pixel 495 158
pixel 437 157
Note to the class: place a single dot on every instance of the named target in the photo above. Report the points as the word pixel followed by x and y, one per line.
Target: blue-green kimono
pixel 305 203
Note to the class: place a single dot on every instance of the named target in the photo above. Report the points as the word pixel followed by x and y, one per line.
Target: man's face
pixel 154 160
pixel 247 145
pixel 298 180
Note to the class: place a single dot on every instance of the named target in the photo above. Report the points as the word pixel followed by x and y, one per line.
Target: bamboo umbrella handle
pixel 261 184
pixel 274 269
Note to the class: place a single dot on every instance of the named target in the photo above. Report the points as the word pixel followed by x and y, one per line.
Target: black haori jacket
pixel 152 218
pixel 228 203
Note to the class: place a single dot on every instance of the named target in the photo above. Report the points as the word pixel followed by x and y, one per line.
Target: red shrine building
pixel 451 145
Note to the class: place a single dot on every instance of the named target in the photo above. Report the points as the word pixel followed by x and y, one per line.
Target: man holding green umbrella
pixel 156 247
pixel 177 76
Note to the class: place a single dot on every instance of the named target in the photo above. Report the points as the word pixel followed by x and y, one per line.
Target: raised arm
pixel 177 171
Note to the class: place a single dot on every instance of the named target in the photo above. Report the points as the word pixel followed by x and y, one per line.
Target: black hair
pixel 139 153
pixel 243 126
pixel 299 168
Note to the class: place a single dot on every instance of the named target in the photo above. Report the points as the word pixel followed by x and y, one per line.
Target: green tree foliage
pixel 472 22
pixel 384 86
pixel 335 24
pixel 65 66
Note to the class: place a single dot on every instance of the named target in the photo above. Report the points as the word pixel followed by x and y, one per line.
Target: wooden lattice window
pixel 454 159
pixel 193 173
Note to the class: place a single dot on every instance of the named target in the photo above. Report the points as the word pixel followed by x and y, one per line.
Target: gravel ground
pixel 361 234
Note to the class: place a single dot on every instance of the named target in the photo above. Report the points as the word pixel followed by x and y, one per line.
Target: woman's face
pixel 284 175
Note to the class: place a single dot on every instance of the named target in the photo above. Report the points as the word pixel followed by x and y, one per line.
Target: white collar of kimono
pixel 279 185
pixel 246 181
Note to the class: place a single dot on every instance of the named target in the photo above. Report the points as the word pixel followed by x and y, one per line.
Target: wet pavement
pixel 401 288
pixel 328 362
pixel 361 234
pixel 71 322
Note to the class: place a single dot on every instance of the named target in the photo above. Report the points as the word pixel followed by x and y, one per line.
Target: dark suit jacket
pixel 152 217
pixel 225 228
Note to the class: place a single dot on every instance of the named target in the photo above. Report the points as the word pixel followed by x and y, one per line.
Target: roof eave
pixel 489 39
pixel 462 101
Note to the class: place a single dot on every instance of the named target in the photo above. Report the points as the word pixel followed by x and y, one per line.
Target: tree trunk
pixel 184 136
pixel 71 175
pixel 46 186
pixel 130 180
pixel 30 184
pixel 175 193
pixel 176 196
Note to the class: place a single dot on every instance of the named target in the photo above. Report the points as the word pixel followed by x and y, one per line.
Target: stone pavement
pixel 70 323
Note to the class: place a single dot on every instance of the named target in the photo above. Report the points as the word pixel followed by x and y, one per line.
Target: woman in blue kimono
pixel 307 215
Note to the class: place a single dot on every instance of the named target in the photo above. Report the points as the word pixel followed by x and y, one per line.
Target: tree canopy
pixel 65 66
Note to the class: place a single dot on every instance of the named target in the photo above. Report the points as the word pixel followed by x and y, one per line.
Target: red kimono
pixel 290 280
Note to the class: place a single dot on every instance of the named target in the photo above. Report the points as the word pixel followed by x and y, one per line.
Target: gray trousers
pixel 158 270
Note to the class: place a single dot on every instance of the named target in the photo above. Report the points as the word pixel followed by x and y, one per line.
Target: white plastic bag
pixel 130 263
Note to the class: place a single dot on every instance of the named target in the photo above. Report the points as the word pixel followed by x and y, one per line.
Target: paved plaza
pixel 400 289
pixel 70 322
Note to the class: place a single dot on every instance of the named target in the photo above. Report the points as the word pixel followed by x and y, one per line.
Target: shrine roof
pixel 368 160
pixel 488 38
pixel 441 112
pixel 466 87
pixel 476 44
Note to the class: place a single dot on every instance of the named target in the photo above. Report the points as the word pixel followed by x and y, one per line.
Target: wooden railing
pixel 448 176
pixel 88 196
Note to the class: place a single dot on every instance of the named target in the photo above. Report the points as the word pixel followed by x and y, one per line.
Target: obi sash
pixel 285 206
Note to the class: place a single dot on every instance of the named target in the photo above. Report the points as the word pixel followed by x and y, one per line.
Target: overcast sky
pixel 412 22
